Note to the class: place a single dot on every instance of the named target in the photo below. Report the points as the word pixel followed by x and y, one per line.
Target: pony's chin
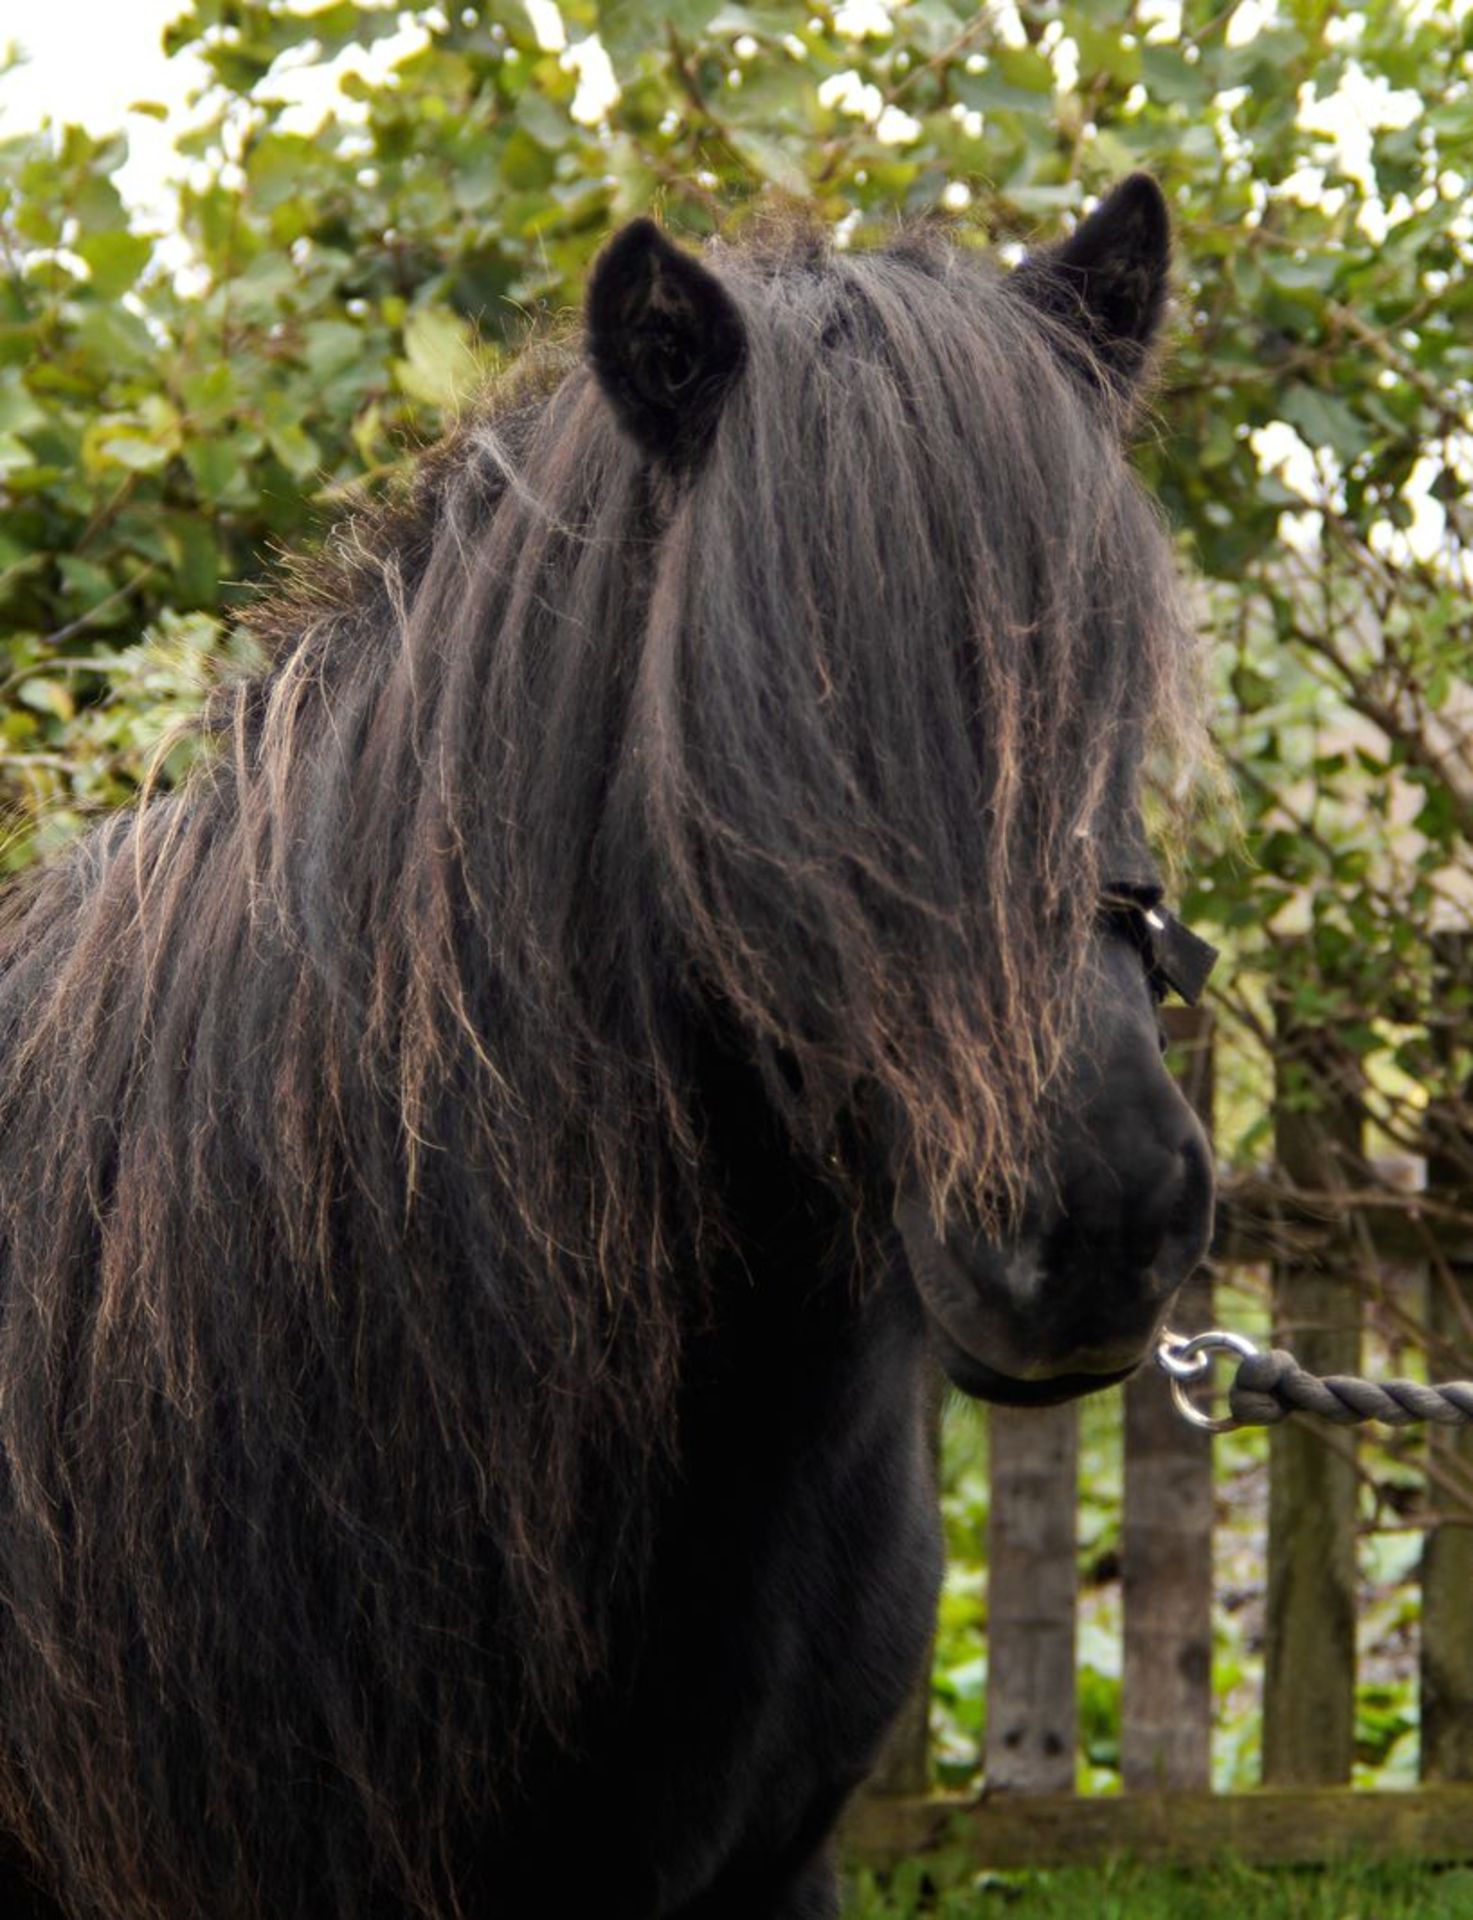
pixel 980 1382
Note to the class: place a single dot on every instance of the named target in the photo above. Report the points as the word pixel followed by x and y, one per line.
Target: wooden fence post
pixel 1309 1657
pixel 1166 1550
pixel 1032 1598
pixel 1447 1559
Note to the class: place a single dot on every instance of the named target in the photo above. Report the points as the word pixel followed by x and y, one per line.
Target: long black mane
pixel 355 1191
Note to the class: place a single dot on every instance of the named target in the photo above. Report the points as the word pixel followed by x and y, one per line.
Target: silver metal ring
pixel 1169 1350
pixel 1203 1346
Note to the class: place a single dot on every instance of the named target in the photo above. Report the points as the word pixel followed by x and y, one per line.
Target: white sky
pixel 89 57
pixel 87 61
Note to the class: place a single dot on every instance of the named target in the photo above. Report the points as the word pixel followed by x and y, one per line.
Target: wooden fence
pixel 1028 1813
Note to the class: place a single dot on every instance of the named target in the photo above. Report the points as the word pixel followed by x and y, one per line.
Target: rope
pixel 1268 1387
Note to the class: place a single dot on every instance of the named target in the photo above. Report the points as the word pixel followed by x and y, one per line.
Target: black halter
pixel 1176 959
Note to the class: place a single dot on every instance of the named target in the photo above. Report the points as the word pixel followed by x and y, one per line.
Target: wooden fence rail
pixel 1028 1812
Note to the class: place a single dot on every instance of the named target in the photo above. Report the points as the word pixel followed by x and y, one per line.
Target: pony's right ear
pixel 665 340
pixel 1108 281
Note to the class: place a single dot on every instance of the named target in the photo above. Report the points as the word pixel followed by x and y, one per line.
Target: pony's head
pixel 911 632
pixel 1117 1210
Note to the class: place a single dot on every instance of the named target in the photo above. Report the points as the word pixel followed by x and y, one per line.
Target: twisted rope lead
pixel 1268 1387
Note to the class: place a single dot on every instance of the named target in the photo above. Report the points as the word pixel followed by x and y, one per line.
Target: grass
pixel 946 1888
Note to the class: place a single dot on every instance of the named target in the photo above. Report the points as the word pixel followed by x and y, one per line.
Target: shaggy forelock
pixel 911 632
pixel 354 1182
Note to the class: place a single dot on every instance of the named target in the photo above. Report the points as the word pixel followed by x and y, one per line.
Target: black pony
pixel 481 1166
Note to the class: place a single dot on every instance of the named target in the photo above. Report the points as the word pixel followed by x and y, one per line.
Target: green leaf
pixel 115 259
pixel 215 466
pixel 526 165
pixel 14 454
pixel 771 160
pixel 47 696
pixel 294 448
pixel 1325 420
pixel 191 545
pixel 439 364
pixel 990 92
pixel 125 443
pixel 1168 77
pixel 1315 273
pixel 87 584
pixel 95 203
pixel 331 345
pixel 628 28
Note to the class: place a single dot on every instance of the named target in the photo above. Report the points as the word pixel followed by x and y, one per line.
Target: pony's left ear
pixel 665 340
pixel 1109 278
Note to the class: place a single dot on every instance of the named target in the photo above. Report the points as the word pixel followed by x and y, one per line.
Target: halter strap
pixel 1179 958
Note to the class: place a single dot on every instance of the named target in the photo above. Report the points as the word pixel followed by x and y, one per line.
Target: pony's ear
pixel 1109 278
pixel 665 340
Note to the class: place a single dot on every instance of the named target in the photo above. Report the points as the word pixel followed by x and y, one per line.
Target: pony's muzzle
pixel 1075 1299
